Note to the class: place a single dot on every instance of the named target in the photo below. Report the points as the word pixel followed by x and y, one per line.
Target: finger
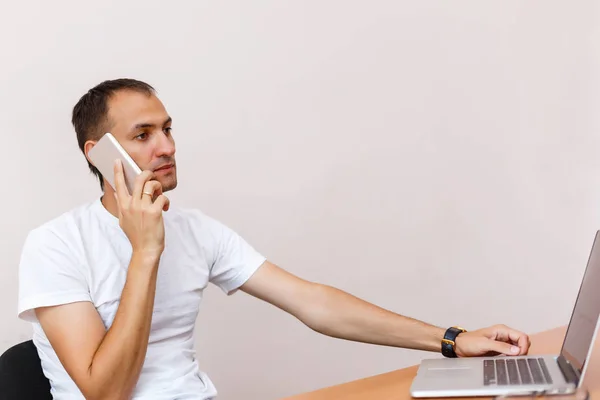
pixel 152 189
pixel 162 203
pixel 524 344
pixel 140 182
pixel 515 337
pixel 120 187
pixel 503 348
pixel 119 214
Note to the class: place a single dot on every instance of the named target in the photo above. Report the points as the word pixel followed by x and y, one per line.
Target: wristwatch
pixel 448 342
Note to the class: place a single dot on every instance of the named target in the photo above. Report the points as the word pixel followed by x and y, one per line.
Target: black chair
pixel 21 375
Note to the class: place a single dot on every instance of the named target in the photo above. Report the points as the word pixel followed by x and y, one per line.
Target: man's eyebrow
pixel 149 125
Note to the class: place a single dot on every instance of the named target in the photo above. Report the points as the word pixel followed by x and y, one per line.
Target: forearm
pixel 117 363
pixel 338 314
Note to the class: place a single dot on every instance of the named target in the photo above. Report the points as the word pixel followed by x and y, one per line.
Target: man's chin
pixel 167 186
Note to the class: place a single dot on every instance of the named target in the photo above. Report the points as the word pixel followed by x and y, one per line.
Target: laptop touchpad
pixel 450 372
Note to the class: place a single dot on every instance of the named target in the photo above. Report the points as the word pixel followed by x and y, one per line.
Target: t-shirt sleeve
pixel 234 259
pixel 49 274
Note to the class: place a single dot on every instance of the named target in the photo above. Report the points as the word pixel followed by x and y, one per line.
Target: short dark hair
pixel 90 114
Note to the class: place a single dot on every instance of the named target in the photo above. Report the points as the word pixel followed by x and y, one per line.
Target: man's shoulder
pixel 62 224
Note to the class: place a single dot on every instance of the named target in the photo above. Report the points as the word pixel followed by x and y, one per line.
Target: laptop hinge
pixel 570 374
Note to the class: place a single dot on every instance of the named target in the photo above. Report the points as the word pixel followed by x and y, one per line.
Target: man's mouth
pixel 165 167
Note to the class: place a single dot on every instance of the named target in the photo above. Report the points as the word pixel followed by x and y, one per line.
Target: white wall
pixel 437 158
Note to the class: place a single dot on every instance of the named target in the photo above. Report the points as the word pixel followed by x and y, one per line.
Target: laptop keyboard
pixel 510 371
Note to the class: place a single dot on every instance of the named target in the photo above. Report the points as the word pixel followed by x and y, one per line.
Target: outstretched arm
pixel 335 313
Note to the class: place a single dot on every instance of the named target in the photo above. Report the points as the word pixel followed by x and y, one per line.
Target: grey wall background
pixel 407 152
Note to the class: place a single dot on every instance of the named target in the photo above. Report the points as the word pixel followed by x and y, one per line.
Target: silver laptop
pixel 495 376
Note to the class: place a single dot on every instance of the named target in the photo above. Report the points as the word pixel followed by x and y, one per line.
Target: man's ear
pixel 87 147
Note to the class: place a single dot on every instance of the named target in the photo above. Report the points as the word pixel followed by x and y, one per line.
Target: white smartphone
pixel 103 156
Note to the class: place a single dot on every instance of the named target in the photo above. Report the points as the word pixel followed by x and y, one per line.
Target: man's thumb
pixel 504 348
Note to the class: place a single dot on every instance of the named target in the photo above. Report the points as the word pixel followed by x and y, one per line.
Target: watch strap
pixel 449 341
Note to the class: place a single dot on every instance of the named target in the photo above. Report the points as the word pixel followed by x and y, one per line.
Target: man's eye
pixel 142 136
pixel 167 131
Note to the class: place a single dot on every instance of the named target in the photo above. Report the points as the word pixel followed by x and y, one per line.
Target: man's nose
pixel 166 147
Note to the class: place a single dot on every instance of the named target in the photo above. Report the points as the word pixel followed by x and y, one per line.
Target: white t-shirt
pixel 83 255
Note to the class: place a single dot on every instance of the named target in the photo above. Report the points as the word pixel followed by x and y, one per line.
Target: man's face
pixel 142 126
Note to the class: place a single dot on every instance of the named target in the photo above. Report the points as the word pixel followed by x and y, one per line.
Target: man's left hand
pixel 495 340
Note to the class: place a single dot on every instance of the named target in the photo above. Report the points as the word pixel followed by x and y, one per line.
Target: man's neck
pixel 109 202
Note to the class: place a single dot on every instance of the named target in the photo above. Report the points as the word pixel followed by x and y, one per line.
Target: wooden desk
pixel 396 385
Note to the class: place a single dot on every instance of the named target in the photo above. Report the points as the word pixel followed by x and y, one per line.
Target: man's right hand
pixel 140 216
pixel 106 363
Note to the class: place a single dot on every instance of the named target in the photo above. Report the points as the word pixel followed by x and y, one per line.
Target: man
pixel 113 287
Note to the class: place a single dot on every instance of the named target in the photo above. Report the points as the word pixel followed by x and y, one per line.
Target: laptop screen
pixel 585 313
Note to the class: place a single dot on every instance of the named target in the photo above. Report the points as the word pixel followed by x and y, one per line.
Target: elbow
pixel 316 312
pixel 106 386
pixel 105 392
pixel 107 395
